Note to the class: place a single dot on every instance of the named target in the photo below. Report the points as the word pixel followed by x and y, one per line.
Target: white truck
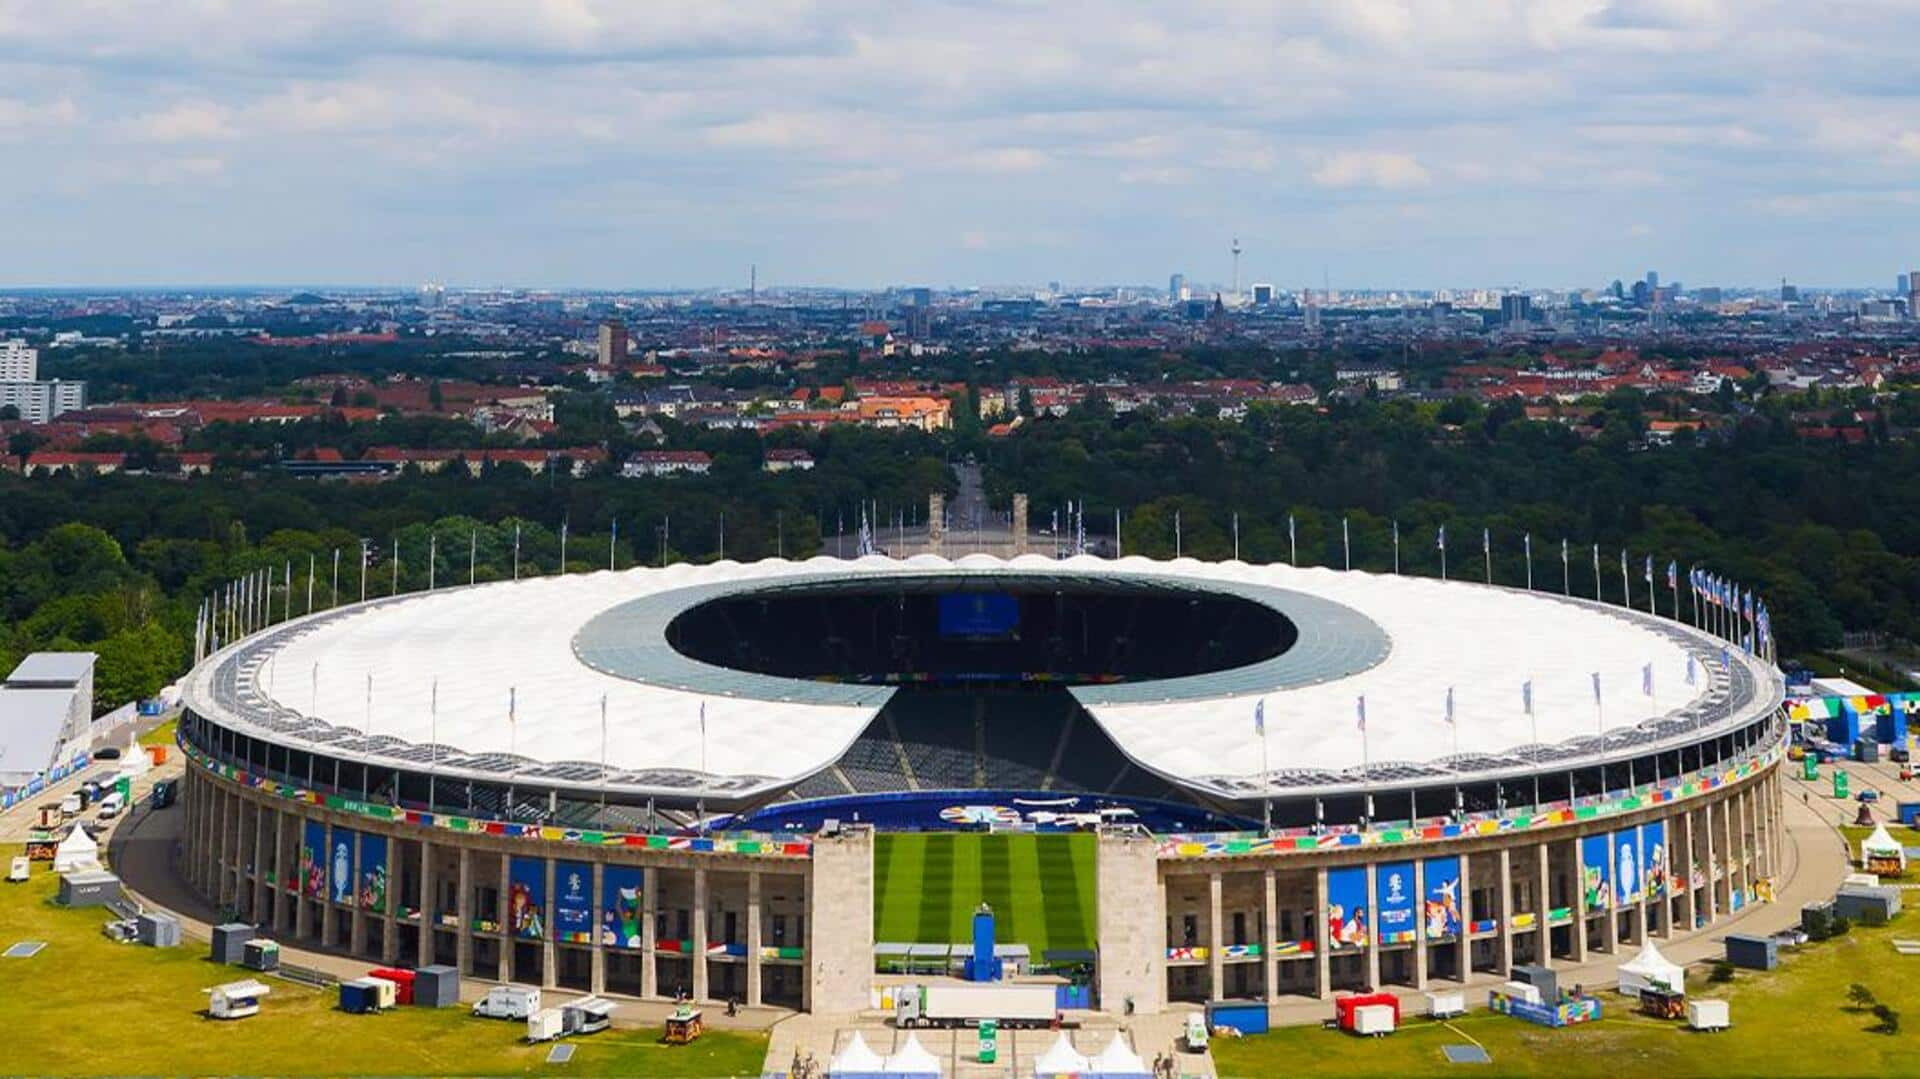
pixel 967 1005
pixel 508 1002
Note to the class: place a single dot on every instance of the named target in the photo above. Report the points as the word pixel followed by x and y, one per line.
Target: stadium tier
pixel 642 781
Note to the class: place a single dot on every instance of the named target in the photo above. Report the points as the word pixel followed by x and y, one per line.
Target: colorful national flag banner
pixel 1260 716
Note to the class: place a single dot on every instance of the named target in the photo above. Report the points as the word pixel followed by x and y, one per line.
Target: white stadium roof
pixel 309 679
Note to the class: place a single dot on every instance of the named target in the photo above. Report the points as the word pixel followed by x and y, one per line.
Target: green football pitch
pixel 926 888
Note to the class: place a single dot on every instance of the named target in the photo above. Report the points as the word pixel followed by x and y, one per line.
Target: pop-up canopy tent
pixel 1117 1061
pixel 856 1060
pixel 77 851
pixel 1060 1059
pixel 913 1059
pixel 1650 969
pixel 1879 851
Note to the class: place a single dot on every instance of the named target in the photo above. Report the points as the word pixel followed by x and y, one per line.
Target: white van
pixel 111 805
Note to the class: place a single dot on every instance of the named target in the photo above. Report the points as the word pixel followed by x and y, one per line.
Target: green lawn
pixel 161 735
pixel 1041 888
pixel 87 1006
pixel 1792 1022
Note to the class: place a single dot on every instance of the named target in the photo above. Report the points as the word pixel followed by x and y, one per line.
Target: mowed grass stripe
pixel 1065 881
pixel 996 887
pixel 967 886
pixel 896 914
pixel 936 894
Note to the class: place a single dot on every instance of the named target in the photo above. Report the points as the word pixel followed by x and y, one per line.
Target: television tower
pixel 1236 269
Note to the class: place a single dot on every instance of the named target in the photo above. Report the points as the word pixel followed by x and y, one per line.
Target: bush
pixel 1841 923
pixel 1860 996
pixel 1722 971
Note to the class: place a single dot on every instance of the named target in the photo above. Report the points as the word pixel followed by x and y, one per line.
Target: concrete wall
pixel 840 930
pixel 1132 926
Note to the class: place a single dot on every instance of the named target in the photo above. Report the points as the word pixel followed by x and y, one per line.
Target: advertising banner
pixel 1393 894
pixel 340 866
pixel 573 902
pixel 1628 877
pixel 313 862
pixel 527 898
pixel 620 909
pixel 373 872
pixel 1596 851
pixel 1440 909
pixel 1347 918
pixel 1653 858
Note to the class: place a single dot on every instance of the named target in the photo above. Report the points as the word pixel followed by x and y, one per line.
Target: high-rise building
pixel 613 344
pixel 1903 285
pixel 1262 295
pixel 18 363
pixel 1789 293
pixel 921 297
pixel 1653 279
pixel 1516 308
pixel 40 402
pixel 1913 294
pixel 1177 288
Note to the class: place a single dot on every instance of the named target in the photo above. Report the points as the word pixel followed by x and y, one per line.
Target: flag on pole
pixel 1647 574
pixel 1486 541
pixel 1440 538
pixel 1526 696
pixel 512 704
pixel 1646 679
pixel 1596 687
pixel 1673 575
pixel 1693 676
pixel 1260 716
pixel 1360 707
pixel 1449 704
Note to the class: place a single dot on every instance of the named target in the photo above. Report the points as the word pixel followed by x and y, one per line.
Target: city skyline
pixel 593 145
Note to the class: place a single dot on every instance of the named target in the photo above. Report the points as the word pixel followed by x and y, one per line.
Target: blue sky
pixel 623 143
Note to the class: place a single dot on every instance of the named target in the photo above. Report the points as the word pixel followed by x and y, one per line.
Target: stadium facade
pixel 665 780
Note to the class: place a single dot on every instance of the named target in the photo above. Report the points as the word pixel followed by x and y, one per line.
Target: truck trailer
pixel 967 1005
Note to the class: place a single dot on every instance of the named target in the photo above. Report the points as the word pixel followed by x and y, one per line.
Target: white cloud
pixel 186 122
pixel 1371 168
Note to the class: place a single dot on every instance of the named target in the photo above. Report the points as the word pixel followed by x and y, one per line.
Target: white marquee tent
pixel 77 851
pixel 1061 1058
pixel 1117 1061
pixel 1649 969
pixel 912 1058
pixel 1880 847
pixel 855 1060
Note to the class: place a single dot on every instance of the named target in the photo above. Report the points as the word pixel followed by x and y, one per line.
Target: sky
pixel 633 144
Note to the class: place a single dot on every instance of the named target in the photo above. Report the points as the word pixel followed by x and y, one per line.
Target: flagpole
pixel 1566 570
pixel 1266 775
pixel 473 555
pixel 1236 536
pixel 1396 546
pixel 1346 542
pixel 312 561
pixel 516 550
pixel 433 736
pixel 513 745
pixel 1529 544
pixel 433 560
pixel 1486 552
pixel 1293 547
pixel 603 758
pixel 335 601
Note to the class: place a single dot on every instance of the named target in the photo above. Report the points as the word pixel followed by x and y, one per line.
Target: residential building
pixel 40 402
pixel 787 460
pixel 613 344
pixel 18 363
pixel 655 463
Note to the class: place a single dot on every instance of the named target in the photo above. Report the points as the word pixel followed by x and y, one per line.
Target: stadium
pixel 781 781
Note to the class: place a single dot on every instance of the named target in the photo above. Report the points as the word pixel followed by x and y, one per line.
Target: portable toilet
pixel 1839 783
pixel 158 929
pixel 260 954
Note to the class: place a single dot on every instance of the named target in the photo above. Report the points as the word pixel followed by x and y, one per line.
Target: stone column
pixel 1322 939
pixel 463 913
pixel 1542 904
pixel 262 910
pixel 1269 935
pixel 936 523
pixel 840 919
pixel 217 820
pixel 1680 858
pixel 357 920
pixel 327 911
pixel 280 875
pixel 698 946
pixel 500 910
pixel 1707 860
pixel 1373 930
pixel 1581 945
pixel 429 909
pixel 302 906
pixel 649 930
pixel 389 927
pixel 549 951
pixel 753 938
pixel 1020 527
pixel 1216 963
pixel 1505 908
pixel 597 964
pixel 1468 911
pixel 1420 924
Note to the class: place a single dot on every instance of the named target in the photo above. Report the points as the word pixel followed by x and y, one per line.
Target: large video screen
pixel 979 616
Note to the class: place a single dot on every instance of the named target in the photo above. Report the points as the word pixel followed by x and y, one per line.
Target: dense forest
pixel 117 563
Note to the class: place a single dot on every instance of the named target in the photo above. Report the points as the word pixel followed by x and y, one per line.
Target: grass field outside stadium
pixel 1041 889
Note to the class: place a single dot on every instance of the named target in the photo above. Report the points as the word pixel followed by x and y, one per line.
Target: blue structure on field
pixel 984 966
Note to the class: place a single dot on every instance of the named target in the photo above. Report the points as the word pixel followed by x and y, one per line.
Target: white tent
pixel 912 1058
pixel 1649 969
pixel 77 851
pixel 855 1058
pixel 1117 1061
pixel 1060 1059
pixel 133 757
pixel 1882 847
